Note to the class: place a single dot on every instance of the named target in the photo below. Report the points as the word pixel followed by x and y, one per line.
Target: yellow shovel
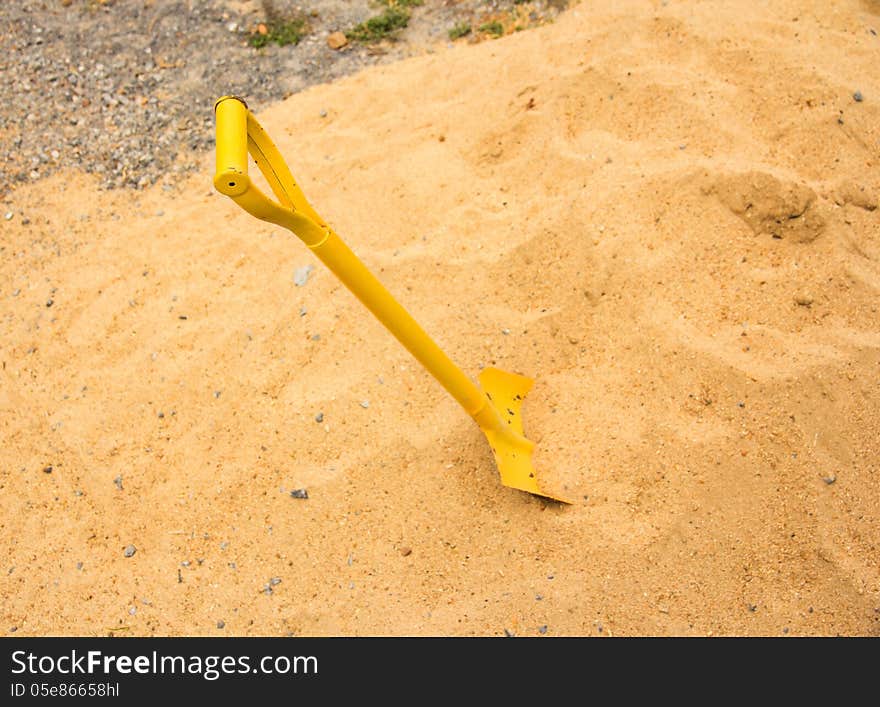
pixel 496 408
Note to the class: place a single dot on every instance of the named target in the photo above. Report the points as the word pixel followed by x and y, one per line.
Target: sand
pixel 668 207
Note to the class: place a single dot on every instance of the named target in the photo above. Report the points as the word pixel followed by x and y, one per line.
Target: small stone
pixel 406 551
pixel 365 404
pixel 336 40
pixel 803 300
pixel 509 634
pixel 132 611
pixel 50 302
pixel 118 482
pixel 8 215
pixel 323 113
pixel 275 581
pixel 505 331
pixel 129 551
pixel 160 415
pixel 319 417
pixel 217 394
pixel 858 97
pixel 301 275
pixel 830 479
pixel 79 565
pixel 47 469
pixel 303 311
pixel 221 624
pixel 542 629
pixel 299 493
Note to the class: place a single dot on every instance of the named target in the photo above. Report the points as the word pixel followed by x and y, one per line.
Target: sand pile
pixel 665 213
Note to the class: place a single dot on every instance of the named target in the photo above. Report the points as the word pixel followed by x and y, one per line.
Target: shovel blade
pixel 512 450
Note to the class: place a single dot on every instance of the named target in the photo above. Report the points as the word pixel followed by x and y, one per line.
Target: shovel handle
pixel 239 134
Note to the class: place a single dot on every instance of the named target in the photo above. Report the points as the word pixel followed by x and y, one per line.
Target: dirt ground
pixel 664 212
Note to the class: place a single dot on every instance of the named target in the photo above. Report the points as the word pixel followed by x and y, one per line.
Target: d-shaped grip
pixel 239 134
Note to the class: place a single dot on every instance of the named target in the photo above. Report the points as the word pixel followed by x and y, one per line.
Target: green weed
pixel 394 17
pixel 282 33
pixel 462 29
pixel 496 29
pixel 379 27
